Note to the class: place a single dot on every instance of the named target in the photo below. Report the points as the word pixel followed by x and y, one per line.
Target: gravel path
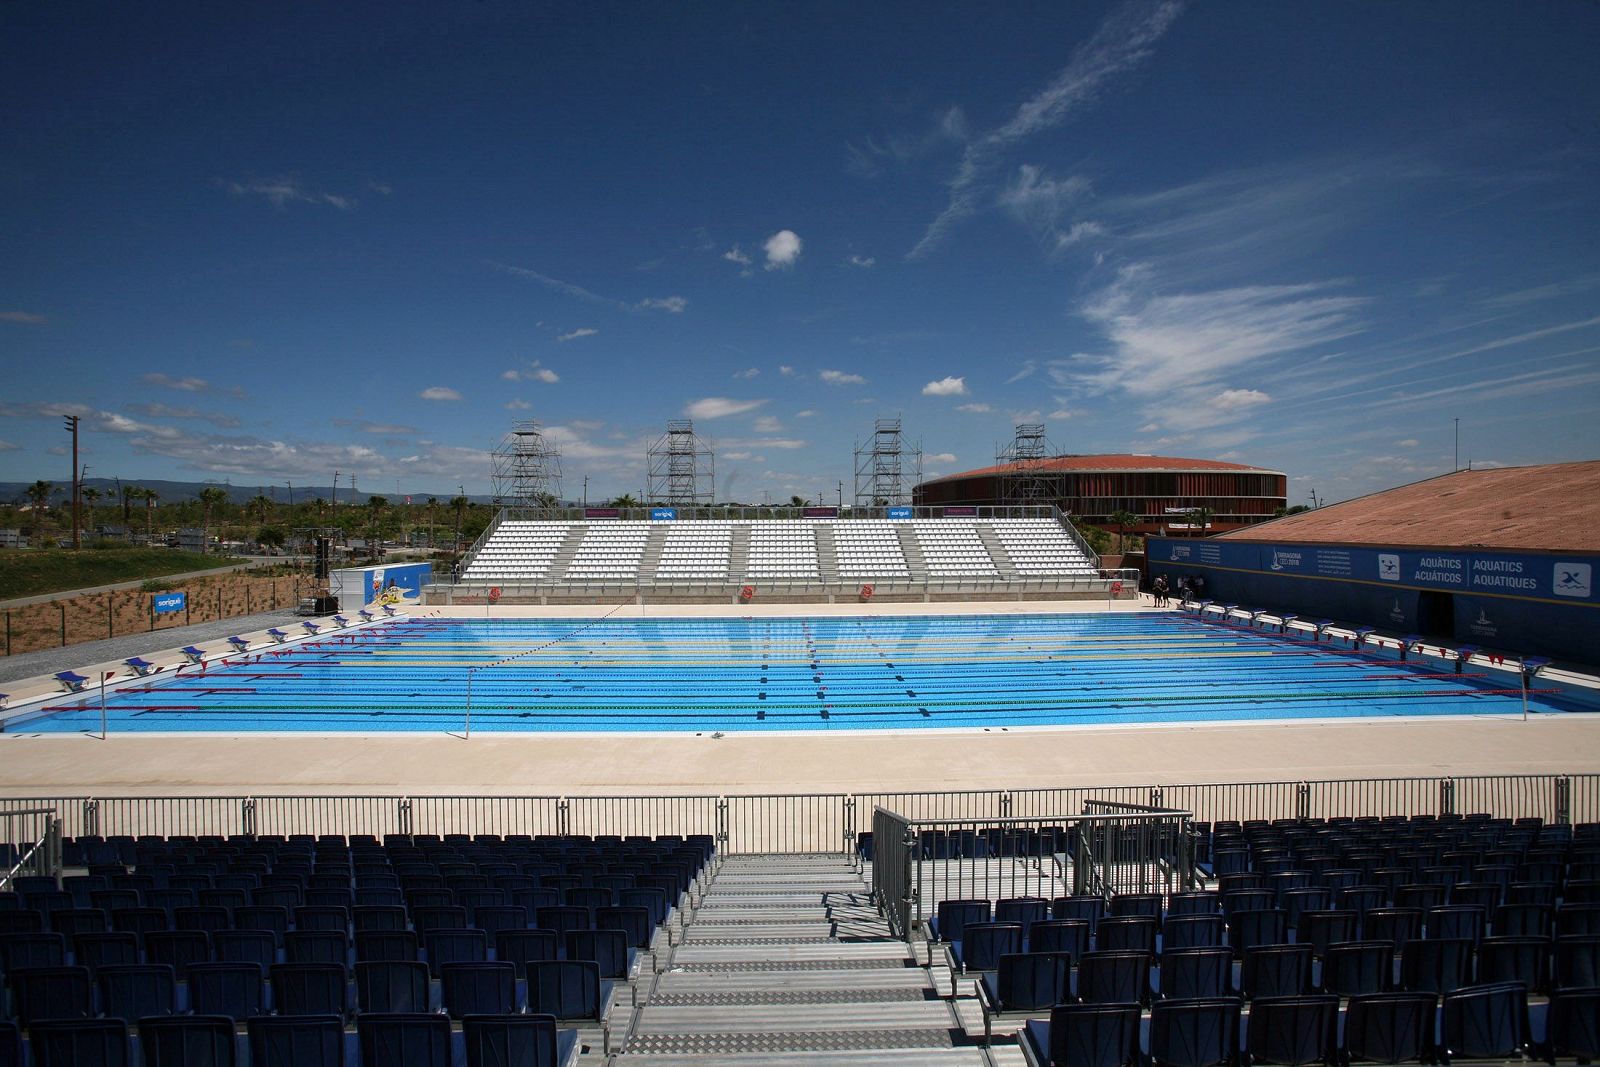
pixel 51 660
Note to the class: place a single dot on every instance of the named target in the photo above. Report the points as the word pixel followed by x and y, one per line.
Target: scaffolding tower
pixel 526 469
pixel 681 468
pixel 1023 479
pixel 880 467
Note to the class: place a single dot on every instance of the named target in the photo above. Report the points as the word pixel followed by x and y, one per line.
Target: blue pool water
pixel 784 674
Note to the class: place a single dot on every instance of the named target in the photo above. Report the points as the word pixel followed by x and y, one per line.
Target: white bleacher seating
pixel 1041 547
pixel 695 552
pixel 869 551
pixel 782 550
pixel 609 552
pixel 517 551
pixel 951 548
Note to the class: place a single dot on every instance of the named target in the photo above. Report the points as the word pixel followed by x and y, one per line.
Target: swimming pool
pixel 884 672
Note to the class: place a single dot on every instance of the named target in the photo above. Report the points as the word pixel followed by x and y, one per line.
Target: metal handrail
pixel 43 856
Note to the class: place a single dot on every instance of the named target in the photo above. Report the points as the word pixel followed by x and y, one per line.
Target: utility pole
pixel 841 498
pixel 335 503
pixel 1458 444
pixel 585 490
pixel 77 480
pixel 291 491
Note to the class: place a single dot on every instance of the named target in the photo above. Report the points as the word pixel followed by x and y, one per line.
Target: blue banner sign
pixel 899 513
pixel 663 514
pixel 1516 574
pixel 167 603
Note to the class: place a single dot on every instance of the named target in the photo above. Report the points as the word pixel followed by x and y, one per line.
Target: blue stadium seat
pixel 392 986
pixel 1194 1033
pixel 1085 1035
pixel 608 948
pixel 28 921
pixel 10 1045
pixel 1195 902
pixel 50 993
pixel 1197 972
pixel 1320 929
pixel 1486 1022
pixel 1114 978
pixel 1089 909
pixel 1193 931
pixel 1573 1025
pixel 1435 965
pixel 570 990
pixel 308 989
pixel 1390 1028
pixel 368 917
pixel 1127 933
pixel 230 989
pixel 79 1043
pixel 1358 968
pixel 519 1040
pixel 70 921
pixel 131 993
pixel 374 945
pixel 952 916
pixel 1456 921
pixel 454 946
pixel 291 1041
pixel 1293 1031
pixel 522 947
pixel 268 918
pixel 404 1040
pixel 1577 962
pixel 478 989
pixel 1025 911
pixel 1399 925
pixel 448 917
pixel 633 922
pixel 1035 981
pixel 209 918
pixel 187 1041
pixel 1275 971
pixel 178 949
pixel 981 945
pixel 315 946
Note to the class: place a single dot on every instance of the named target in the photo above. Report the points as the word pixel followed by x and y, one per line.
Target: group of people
pixel 1188 587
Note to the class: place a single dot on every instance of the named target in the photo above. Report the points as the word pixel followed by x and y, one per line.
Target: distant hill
pixel 174 492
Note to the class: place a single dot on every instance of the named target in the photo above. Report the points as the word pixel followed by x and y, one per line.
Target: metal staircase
pixel 916 566
pixel 997 551
pixel 564 554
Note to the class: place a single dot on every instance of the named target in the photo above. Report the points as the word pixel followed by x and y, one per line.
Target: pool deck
pixel 589 764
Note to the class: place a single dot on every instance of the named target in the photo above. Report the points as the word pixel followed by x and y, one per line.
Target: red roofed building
pixel 1161 490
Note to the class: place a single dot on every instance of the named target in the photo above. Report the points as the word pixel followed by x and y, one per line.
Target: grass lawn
pixel 31 573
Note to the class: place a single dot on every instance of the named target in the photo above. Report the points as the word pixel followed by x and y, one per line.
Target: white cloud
pixel 1028 367
pixel 1237 399
pixel 582 331
pixel 280 192
pixel 766 442
pixel 26 318
pixel 535 373
pixel 186 385
pixel 165 411
pixel 1039 201
pixel 940 457
pixel 768 424
pixel 976 409
pixel 783 249
pixel 861 261
pixel 947 386
pixel 672 304
pixel 517 405
pixel 786 370
pixel 806 414
pixel 748 373
pixel 1409 442
pixel 839 377
pixel 741 455
pixel 1059 415
pixel 716 407
pixel 9 446
pixel 439 392
pixel 737 255
pixel 1122 41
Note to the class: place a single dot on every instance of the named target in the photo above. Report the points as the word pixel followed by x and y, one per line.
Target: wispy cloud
pixel 940 457
pixel 839 377
pixel 868 157
pixel 861 261
pixel 768 424
pixel 1537 293
pixel 1239 399
pixel 806 414
pixel 737 255
pixel 166 411
pixel 24 318
pixel 281 192
pixel 1121 42
pixel 716 407
pixel 517 405
pixel 671 304
pixel 439 392
pixel 748 373
pixel 582 331
pixel 1026 371
pixel 947 386
pixel 975 409
pixel 783 249
pixel 534 372
pixel 9 446
pixel 190 385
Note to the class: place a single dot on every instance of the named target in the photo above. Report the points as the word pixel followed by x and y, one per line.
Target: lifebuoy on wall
pixel 1116 588
pixel 866 592
pixel 494 594
pixel 747 593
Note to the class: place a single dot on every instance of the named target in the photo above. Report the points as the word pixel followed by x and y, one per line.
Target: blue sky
pixel 266 243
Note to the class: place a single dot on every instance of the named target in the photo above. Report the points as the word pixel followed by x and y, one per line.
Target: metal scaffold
pixel 681 468
pixel 1025 480
pixel 881 467
pixel 526 469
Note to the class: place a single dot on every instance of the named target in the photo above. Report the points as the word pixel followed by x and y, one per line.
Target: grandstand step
pixel 969 1057
pixel 997 551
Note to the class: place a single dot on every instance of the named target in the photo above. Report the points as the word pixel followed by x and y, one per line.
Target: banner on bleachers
pixel 602 513
pixel 167 603
pixel 1519 574
pixel 899 513
pixel 820 513
pixel 961 512
pixel 663 514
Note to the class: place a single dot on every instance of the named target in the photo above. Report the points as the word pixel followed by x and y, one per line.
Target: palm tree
pixel 1123 520
pixel 320 506
pixel 433 504
pixel 39 492
pixel 375 509
pixel 625 501
pixel 130 493
pixel 459 504
pixel 211 497
pixel 263 507
pixel 797 502
pixel 149 496
pixel 1200 519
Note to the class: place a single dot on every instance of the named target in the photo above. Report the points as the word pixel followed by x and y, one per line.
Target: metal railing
pixel 1100 583
pixel 802 822
pixel 40 851
pixel 1108 848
